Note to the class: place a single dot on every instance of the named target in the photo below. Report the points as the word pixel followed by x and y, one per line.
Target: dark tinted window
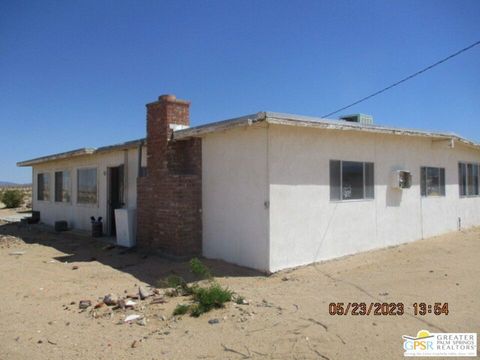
pixel 62 186
pixel 432 181
pixel 350 180
pixel 334 179
pixel 43 186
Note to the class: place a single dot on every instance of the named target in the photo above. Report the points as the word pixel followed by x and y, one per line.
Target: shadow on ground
pixel 143 264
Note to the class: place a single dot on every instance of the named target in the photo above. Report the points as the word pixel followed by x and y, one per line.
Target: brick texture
pixel 169 198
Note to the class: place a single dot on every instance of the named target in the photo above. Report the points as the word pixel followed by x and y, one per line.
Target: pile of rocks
pixel 113 303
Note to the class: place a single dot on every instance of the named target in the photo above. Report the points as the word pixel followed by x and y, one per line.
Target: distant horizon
pixel 79 75
pixel 9 183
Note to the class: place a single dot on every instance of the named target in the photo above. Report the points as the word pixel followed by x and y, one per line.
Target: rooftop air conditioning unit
pixel 401 179
pixel 358 118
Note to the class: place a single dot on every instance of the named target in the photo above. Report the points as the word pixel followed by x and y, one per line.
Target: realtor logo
pixel 440 344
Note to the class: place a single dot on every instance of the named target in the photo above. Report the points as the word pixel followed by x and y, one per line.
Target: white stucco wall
pixel 78 215
pixel 305 226
pixel 234 191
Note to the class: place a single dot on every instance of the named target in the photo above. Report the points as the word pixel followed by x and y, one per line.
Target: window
pixel 432 181
pixel 62 186
pixel 87 186
pixel 468 179
pixel 351 180
pixel 43 186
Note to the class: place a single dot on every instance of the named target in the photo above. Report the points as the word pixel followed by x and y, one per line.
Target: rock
pixel 110 299
pixel 213 321
pixel 121 304
pixel 130 303
pixel 74 267
pixel 143 292
pixel 132 317
pixel 160 300
pixel 134 344
pixel 83 304
pixel 244 302
pixel 142 322
pixel 17 253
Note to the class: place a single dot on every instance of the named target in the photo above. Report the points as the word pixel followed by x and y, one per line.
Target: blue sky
pixel 78 73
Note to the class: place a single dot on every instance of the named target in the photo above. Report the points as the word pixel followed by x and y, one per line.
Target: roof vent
pixel 359 118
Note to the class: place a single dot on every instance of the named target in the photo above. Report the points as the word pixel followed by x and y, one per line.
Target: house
pixel 268 191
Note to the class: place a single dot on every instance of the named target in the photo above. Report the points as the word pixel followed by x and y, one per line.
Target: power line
pixel 404 79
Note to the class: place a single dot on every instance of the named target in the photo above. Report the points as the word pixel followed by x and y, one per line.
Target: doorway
pixel 115 195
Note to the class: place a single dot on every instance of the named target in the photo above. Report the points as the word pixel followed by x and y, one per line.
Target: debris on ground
pixel 99 305
pixel 159 300
pixel 132 317
pixel 83 304
pixel 213 321
pixel 110 299
pixel 143 292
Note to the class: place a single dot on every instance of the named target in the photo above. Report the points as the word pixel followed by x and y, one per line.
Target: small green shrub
pixel 12 198
pixel 209 298
pixel 181 309
pixel 178 285
pixel 199 269
pixel 205 299
pixel 196 310
pixel 175 281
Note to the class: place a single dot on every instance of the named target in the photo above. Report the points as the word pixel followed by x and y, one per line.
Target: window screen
pixel 369 183
pixel 62 186
pixel 335 180
pixel 350 180
pixel 43 186
pixel 87 186
pixel 468 181
pixel 432 181
pixel 462 179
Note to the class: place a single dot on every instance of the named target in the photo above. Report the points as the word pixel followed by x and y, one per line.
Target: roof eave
pixel 199 131
pixel 283 119
pixel 82 152
pixel 55 157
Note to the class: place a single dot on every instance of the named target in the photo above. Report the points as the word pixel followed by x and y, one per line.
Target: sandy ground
pixel 287 316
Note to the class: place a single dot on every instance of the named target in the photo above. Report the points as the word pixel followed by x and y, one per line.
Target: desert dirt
pixel 287 315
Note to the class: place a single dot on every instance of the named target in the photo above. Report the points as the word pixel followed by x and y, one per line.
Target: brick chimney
pixel 163 116
pixel 169 196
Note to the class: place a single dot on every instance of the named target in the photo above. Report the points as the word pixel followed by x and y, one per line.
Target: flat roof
pixel 266 117
pixel 313 122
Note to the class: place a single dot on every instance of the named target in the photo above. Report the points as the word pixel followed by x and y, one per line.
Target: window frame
pixel 439 168
pixel 467 184
pixel 69 186
pixel 96 204
pixel 49 190
pixel 364 185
